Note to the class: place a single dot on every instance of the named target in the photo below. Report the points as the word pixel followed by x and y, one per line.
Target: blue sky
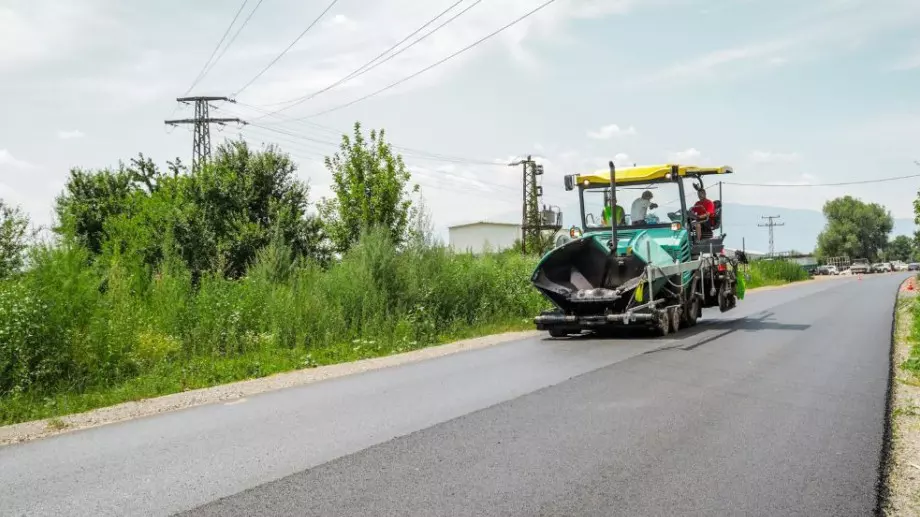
pixel 784 91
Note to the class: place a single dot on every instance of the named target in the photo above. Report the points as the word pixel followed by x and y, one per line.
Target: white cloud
pixel 70 135
pixel 623 160
pixel 910 61
pixel 832 28
pixel 33 31
pixel 342 21
pixel 686 156
pixel 609 131
pixel 328 57
pixel 8 160
pixel 768 157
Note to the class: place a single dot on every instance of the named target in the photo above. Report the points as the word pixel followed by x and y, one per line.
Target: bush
pixel 73 328
pixel 773 272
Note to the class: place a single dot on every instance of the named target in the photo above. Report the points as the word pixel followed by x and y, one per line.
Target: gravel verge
pixel 902 490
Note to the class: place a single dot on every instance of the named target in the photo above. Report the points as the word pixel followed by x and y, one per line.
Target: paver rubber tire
pixel 663 324
pixel 691 312
pixel 723 301
pixel 674 318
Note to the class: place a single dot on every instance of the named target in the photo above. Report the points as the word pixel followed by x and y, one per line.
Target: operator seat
pixel 717 218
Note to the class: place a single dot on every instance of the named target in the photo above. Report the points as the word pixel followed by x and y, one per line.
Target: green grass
pixel 76 336
pixel 774 272
pixel 912 364
pixel 202 373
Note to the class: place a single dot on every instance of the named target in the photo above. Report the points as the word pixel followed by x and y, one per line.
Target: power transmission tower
pixel 770 225
pixel 535 221
pixel 530 208
pixel 201 141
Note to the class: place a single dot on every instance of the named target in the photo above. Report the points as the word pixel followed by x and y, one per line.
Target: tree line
pixel 218 218
pixel 857 229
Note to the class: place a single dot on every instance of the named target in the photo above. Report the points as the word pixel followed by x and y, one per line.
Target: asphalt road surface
pixel 774 408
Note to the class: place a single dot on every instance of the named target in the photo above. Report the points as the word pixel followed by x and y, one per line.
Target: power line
pixel 409 151
pixel 370 65
pixel 304 148
pixel 839 184
pixel 233 38
pixel 419 153
pixel 311 155
pixel 338 133
pixel 448 58
pixel 285 51
pixel 203 72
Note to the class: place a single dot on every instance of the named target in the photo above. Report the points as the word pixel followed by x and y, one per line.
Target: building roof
pixel 488 223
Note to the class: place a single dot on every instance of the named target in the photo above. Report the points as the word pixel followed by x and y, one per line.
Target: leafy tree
pixel 854 228
pixel 88 200
pixel 900 248
pixel 369 182
pixel 422 227
pixel 14 228
pixel 239 203
pixel 217 218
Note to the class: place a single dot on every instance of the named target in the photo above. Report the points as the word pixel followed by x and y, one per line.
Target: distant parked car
pixel 832 270
pixel 860 266
pixel 913 266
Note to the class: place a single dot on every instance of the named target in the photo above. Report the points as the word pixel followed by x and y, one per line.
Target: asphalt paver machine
pixel 658 271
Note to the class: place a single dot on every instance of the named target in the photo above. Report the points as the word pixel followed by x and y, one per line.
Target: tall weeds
pixel 773 272
pixel 83 334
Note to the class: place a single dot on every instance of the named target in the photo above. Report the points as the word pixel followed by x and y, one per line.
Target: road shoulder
pixel 902 488
pixel 228 393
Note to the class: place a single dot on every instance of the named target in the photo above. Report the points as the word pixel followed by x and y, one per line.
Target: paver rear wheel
pixel 693 312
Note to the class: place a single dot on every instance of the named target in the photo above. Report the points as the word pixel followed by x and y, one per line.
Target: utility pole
pixel 770 225
pixel 531 221
pixel 201 141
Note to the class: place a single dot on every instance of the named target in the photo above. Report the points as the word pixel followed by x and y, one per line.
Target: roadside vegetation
pixel 774 272
pixel 161 281
pixel 902 490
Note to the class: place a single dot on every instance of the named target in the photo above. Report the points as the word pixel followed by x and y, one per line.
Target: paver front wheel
pixel 663 324
pixel 674 319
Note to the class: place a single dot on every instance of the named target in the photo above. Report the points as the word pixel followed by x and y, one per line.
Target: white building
pixel 478 236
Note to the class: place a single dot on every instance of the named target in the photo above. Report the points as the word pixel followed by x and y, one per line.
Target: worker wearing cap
pixel 640 207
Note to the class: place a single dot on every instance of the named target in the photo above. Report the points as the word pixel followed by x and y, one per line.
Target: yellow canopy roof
pixel 645 174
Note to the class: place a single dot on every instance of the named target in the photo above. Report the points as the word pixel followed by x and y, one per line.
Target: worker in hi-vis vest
pixel 621 213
